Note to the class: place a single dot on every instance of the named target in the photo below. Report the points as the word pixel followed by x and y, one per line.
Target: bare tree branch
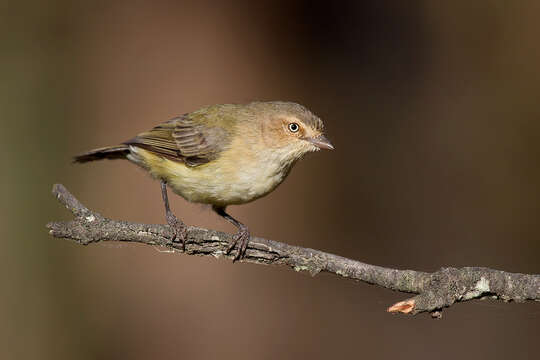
pixel 435 291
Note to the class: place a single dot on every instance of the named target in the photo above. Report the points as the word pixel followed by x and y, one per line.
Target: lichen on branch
pixel 434 291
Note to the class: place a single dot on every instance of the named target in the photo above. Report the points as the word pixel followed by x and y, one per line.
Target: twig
pixel 435 291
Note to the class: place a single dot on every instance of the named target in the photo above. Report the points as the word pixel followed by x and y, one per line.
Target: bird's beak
pixel 321 142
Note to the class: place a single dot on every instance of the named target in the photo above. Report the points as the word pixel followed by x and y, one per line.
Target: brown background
pixel 433 109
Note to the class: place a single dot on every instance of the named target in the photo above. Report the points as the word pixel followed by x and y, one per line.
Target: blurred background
pixel 433 109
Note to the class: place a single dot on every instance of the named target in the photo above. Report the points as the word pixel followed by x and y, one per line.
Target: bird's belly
pixel 219 189
pixel 214 183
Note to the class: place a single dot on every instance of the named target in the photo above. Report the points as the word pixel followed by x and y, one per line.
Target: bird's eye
pixel 294 127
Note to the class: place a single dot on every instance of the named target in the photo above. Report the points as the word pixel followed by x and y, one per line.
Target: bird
pixel 221 155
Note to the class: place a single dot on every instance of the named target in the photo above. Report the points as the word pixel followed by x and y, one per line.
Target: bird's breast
pixel 236 177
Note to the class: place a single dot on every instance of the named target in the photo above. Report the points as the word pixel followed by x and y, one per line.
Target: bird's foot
pixel 242 239
pixel 178 228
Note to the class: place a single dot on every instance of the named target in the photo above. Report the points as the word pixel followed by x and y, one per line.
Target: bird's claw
pixel 241 237
pixel 179 230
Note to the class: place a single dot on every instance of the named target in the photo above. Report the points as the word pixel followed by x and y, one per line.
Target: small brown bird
pixel 222 155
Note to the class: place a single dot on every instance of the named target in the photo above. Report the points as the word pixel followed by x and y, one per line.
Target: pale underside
pixel 237 178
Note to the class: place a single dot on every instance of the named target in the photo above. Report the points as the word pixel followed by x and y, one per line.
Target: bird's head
pixel 290 129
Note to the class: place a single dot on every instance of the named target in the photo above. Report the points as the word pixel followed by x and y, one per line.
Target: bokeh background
pixel 433 109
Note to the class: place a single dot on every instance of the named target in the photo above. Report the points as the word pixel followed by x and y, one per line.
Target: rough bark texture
pixel 435 291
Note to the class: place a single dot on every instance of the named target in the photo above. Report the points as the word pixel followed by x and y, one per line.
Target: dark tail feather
pixel 109 152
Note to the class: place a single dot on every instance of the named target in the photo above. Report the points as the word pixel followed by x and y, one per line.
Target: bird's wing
pixel 188 139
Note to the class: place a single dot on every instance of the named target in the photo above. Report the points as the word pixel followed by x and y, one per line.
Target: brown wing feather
pixel 184 139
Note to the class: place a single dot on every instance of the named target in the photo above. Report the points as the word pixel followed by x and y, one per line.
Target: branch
pixel 435 291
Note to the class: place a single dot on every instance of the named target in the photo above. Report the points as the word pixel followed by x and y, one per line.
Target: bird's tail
pixel 109 152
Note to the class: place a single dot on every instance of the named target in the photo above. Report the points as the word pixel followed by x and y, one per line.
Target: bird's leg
pixel 242 236
pixel 178 227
